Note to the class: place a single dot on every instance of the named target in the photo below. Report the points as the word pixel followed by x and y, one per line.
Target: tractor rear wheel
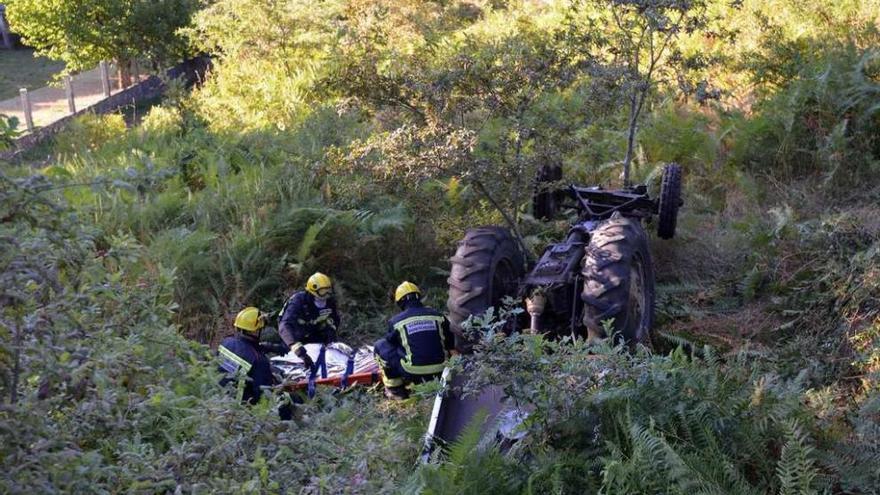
pixel 670 200
pixel 618 291
pixel 488 266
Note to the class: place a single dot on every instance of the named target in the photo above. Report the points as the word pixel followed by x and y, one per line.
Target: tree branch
pixel 479 185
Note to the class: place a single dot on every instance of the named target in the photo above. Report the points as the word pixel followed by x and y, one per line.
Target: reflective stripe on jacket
pixel 244 362
pixel 425 338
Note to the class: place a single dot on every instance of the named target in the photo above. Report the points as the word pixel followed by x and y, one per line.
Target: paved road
pixel 49 103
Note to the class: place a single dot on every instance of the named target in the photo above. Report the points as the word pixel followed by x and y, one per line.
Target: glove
pixel 273 348
pixel 307 361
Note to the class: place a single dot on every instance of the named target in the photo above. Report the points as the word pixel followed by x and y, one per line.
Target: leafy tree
pixel 493 105
pixel 489 107
pixel 280 43
pixel 82 33
pixel 637 42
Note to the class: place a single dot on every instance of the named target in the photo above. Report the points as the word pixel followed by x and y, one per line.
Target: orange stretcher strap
pixel 365 378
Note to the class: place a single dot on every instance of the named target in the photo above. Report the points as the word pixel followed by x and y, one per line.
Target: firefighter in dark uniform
pixel 417 345
pixel 244 362
pixel 310 317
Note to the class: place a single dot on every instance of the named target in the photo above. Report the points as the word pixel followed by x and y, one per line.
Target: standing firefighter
pixel 310 317
pixel 242 358
pixel 417 345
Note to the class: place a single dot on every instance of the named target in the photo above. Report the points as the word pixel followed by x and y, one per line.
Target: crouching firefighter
pixel 417 345
pixel 309 317
pixel 244 360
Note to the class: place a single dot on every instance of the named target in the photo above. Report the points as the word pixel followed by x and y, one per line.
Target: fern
pixel 462 448
pixel 310 240
pixel 796 467
pixel 467 468
pixel 378 223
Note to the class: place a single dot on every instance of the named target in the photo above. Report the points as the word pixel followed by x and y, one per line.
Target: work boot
pixel 396 393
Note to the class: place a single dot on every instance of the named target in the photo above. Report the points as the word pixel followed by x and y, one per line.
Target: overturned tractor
pixel 599 280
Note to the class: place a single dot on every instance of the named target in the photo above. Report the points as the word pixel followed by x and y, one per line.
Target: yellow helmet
pixel 319 285
pixel 249 319
pixel 405 289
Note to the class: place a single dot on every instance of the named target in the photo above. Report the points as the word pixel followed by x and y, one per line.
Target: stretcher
pixel 336 365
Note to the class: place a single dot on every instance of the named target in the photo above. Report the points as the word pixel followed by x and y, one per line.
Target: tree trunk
pixel 123 67
pixel 507 218
pixel 5 34
pixel 631 137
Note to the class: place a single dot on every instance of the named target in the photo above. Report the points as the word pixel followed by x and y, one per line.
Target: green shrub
pixel 8 131
pixel 90 132
pixel 676 134
pixel 162 121
pixel 648 424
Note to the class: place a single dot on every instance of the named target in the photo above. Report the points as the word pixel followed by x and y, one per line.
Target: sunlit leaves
pixel 84 32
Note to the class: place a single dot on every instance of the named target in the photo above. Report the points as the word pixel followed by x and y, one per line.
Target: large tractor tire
pixel 670 201
pixel 619 282
pixel 488 265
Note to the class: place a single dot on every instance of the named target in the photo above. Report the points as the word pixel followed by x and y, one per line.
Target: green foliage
pixel 362 138
pixel 162 121
pixel 8 131
pixel 796 470
pixel 100 392
pixel 90 132
pixel 673 424
pixel 677 134
pixel 238 234
pixel 291 40
pixel 86 32
pixel 487 106
pixel 822 122
pixel 637 46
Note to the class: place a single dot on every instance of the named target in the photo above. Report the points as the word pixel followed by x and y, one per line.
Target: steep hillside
pixel 361 138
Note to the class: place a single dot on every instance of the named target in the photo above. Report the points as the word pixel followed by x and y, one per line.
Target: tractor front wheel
pixel 618 291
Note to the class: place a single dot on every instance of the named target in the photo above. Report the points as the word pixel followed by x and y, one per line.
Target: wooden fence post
pixel 68 88
pixel 26 108
pixel 105 78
